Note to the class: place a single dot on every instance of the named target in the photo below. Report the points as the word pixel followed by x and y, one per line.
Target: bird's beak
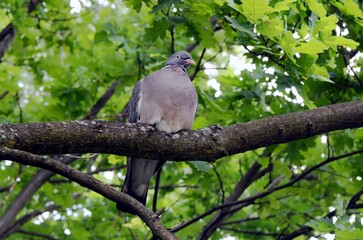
pixel 190 61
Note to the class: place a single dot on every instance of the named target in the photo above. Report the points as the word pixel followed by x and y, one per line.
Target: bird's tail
pixel 139 173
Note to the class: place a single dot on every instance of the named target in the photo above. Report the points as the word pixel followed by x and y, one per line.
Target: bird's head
pixel 180 58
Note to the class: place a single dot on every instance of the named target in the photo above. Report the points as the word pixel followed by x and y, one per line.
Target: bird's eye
pixel 177 56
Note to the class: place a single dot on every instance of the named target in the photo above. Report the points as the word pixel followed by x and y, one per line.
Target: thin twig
pixel 250 232
pixel 19 106
pixel 197 69
pixel 35 234
pixel 156 191
pixel 11 187
pixel 4 94
pixel 220 182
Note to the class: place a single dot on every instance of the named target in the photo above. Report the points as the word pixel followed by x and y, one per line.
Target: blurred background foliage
pixel 255 59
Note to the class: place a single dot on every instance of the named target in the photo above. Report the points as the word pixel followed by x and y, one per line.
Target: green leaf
pixel 335 41
pixel 106 12
pixel 158 29
pixel 324 26
pixel 350 8
pixel 201 166
pixel 254 10
pixel 310 104
pixel 271 27
pixel 339 205
pixel 288 44
pixel 313 47
pixel 282 6
pixel 317 7
pixel 114 159
pixel 306 60
pixel 274 203
pixel 235 24
pixel 135 223
pixel 303 31
pixel 322 225
pixel 100 36
pixel 348 234
pixel 135 4
pixel 319 73
pixel 265 212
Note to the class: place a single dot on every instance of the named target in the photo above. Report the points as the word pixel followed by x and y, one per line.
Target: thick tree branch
pixel 208 144
pixel 91 183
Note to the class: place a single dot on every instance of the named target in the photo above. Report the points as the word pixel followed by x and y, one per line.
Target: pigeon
pixel 168 100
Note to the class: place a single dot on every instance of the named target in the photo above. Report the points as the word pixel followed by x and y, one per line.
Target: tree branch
pixel 35 234
pixel 249 200
pixel 207 144
pixel 102 101
pixel 223 214
pixel 220 183
pixel 156 189
pixel 25 196
pixel 7 35
pixel 198 67
pixel 85 180
pixel 249 232
pixel 42 176
pixel 11 188
pixel 307 229
pixel 17 225
pixel 4 93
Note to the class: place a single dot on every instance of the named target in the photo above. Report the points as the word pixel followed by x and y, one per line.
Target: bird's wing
pixel 134 104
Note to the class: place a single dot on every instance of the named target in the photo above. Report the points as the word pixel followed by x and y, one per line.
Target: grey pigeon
pixel 168 100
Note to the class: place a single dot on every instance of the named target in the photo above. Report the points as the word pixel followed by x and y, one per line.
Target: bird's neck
pixel 176 65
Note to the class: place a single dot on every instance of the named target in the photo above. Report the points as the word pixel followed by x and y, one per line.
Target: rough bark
pixel 207 144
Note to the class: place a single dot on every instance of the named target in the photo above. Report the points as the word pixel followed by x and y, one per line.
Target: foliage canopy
pixel 256 58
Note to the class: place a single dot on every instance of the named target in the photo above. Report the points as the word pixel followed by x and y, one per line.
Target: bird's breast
pixel 169 102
